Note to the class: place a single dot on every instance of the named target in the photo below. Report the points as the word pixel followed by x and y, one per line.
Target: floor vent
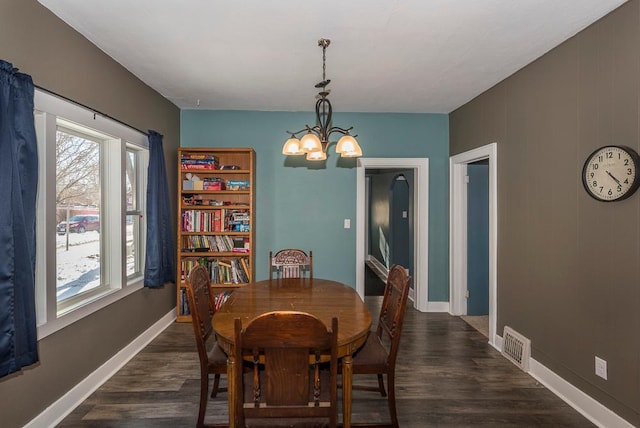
pixel 516 348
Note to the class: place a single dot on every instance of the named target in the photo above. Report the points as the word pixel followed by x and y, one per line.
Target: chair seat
pixel 217 357
pixel 371 356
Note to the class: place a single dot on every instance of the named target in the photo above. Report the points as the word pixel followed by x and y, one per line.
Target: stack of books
pixel 198 161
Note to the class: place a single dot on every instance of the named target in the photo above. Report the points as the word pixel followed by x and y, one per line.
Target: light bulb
pixel 292 147
pixel 316 156
pixel 310 143
pixel 348 147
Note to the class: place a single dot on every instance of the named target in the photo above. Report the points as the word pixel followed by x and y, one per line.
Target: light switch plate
pixel 347 223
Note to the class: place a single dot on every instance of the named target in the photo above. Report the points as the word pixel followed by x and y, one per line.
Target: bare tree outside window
pixel 77 202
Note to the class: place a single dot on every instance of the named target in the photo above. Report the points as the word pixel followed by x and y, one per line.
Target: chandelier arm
pixel 307 128
pixel 343 131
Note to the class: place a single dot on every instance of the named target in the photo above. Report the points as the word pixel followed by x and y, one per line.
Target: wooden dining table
pixel 321 297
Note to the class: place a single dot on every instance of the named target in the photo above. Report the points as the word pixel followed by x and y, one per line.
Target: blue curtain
pixel 160 260
pixel 18 187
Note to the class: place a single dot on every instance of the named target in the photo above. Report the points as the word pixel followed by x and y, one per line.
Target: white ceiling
pixel 422 56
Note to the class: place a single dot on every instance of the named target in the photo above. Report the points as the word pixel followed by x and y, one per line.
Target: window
pixel 134 214
pixel 90 224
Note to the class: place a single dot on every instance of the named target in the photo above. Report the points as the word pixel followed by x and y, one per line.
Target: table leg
pixel 231 390
pixel 347 375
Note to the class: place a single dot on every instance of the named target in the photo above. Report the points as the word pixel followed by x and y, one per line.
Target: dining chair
pixel 286 380
pixel 378 354
pixel 213 360
pixel 290 263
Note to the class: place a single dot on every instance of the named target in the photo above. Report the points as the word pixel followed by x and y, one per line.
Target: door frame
pixel 420 168
pixel 458 231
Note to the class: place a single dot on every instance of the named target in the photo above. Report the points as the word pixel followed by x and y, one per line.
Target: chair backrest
pixel 286 349
pixel 200 305
pixel 394 306
pixel 290 263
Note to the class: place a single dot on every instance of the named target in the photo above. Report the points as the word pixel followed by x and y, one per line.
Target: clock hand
pixel 614 179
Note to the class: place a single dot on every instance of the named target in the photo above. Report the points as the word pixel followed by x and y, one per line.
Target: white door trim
pixel 458 231
pixel 420 167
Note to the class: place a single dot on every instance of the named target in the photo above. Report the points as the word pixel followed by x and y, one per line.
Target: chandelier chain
pixel 324 62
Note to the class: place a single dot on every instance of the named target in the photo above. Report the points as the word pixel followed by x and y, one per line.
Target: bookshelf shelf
pixel 216 233
pixel 198 254
pixel 215 215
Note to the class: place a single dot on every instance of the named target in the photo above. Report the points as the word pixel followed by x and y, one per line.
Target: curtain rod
pixel 90 108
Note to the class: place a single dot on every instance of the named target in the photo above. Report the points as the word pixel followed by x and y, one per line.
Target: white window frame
pixel 142 156
pixel 48 108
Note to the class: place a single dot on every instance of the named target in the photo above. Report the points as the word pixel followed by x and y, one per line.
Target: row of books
pixel 198 161
pixel 231 220
pixel 221 271
pixel 207 183
pixel 215 243
pixel 218 300
pixel 231 271
pixel 215 183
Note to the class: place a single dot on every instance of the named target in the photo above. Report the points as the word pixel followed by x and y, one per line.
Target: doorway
pixel 459 233
pixel 478 238
pixel 420 167
pixel 400 221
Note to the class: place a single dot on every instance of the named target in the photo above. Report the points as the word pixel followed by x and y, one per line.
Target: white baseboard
pixel 53 414
pixel 583 403
pixel 586 405
pixel 378 267
pixel 438 306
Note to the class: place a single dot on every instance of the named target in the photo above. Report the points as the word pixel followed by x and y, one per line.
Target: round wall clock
pixel 611 173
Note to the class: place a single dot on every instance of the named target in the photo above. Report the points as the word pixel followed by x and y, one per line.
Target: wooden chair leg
pixel 381 385
pixel 216 384
pixel 204 397
pixel 391 384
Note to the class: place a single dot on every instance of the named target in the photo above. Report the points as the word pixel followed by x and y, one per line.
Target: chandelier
pixel 316 140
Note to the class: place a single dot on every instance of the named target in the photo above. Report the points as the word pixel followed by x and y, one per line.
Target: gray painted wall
pixel 568 275
pixel 61 60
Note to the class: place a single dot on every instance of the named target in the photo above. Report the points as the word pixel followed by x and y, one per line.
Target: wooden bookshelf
pixel 215 218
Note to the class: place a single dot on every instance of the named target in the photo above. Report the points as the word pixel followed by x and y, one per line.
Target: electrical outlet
pixel 601 368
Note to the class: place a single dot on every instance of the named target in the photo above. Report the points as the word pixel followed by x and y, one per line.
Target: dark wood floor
pixel 447 376
pixel 373 285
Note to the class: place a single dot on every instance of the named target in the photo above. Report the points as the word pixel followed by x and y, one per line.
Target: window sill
pixel 84 309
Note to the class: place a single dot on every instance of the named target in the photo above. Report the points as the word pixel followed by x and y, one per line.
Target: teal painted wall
pixel 303 204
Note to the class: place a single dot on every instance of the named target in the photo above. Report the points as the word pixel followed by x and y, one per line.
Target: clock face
pixel 611 173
